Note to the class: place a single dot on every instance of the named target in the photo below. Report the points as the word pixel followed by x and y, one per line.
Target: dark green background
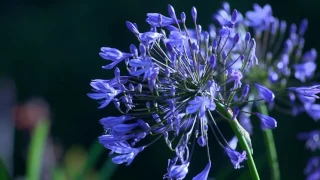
pixel 50 49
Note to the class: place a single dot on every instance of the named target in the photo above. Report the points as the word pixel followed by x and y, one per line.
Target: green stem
pixel 96 150
pixel 36 149
pixel 3 171
pixel 271 147
pixel 243 139
pixel 107 170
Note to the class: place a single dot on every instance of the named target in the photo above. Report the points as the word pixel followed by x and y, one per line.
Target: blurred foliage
pixel 3 171
pixel 36 149
pixel 50 48
pixel 73 162
pixel 95 153
pixel 79 164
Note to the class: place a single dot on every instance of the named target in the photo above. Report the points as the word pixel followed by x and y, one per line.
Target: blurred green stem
pixel 3 171
pixel 107 170
pixel 95 152
pixel 271 147
pixel 238 130
pixel 36 149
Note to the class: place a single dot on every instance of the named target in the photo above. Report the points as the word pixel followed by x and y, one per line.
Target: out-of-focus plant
pixel 3 171
pixel 282 64
pixel 312 138
pixel 78 164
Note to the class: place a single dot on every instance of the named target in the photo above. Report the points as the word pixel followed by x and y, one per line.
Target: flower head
pixel 279 47
pixel 176 79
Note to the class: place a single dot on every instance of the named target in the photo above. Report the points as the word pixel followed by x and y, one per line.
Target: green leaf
pixel 95 152
pixel 36 149
pixel 227 113
pixel 107 170
pixel 58 174
pixel 3 171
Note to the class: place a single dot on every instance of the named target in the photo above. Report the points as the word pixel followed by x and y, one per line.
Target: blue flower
pixel 304 71
pixel 158 20
pixel 104 92
pixel 200 104
pixel 253 58
pixel 176 77
pixel 267 122
pixel 265 93
pixel 204 174
pixel 127 153
pixel 312 169
pixel 312 139
pixel 235 157
pixel 109 122
pixel 236 77
pixel 141 65
pixel 260 18
pixel 245 91
pixel 315 175
pixel 176 38
pixel 280 59
pixel 313 110
pixel 307 93
pixel 176 171
pixel 114 55
pixel 148 38
pixel 225 18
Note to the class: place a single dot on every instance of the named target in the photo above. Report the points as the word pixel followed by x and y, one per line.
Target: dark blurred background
pixel 49 53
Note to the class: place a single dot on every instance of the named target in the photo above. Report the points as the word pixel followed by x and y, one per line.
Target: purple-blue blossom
pixel 178 76
pixel 176 171
pixel 267 122
pixel 283 62
pixel 312 139
pixel 265 93
pixel 158 20
pixel 114 55
pixel 111 121
pixel 260 18
pixel 204 174
pixel 312 169
pixel 313 110
pixel 126 153
pixel 304 71
pixel 235 157
pixel 200 104
pixel 309 93
pixel 103 92
pixel 225 18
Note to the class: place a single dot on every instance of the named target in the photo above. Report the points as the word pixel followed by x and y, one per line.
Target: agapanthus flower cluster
pixel 282 60
pixel 312 169
pixel 312 139
pixel 178 78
